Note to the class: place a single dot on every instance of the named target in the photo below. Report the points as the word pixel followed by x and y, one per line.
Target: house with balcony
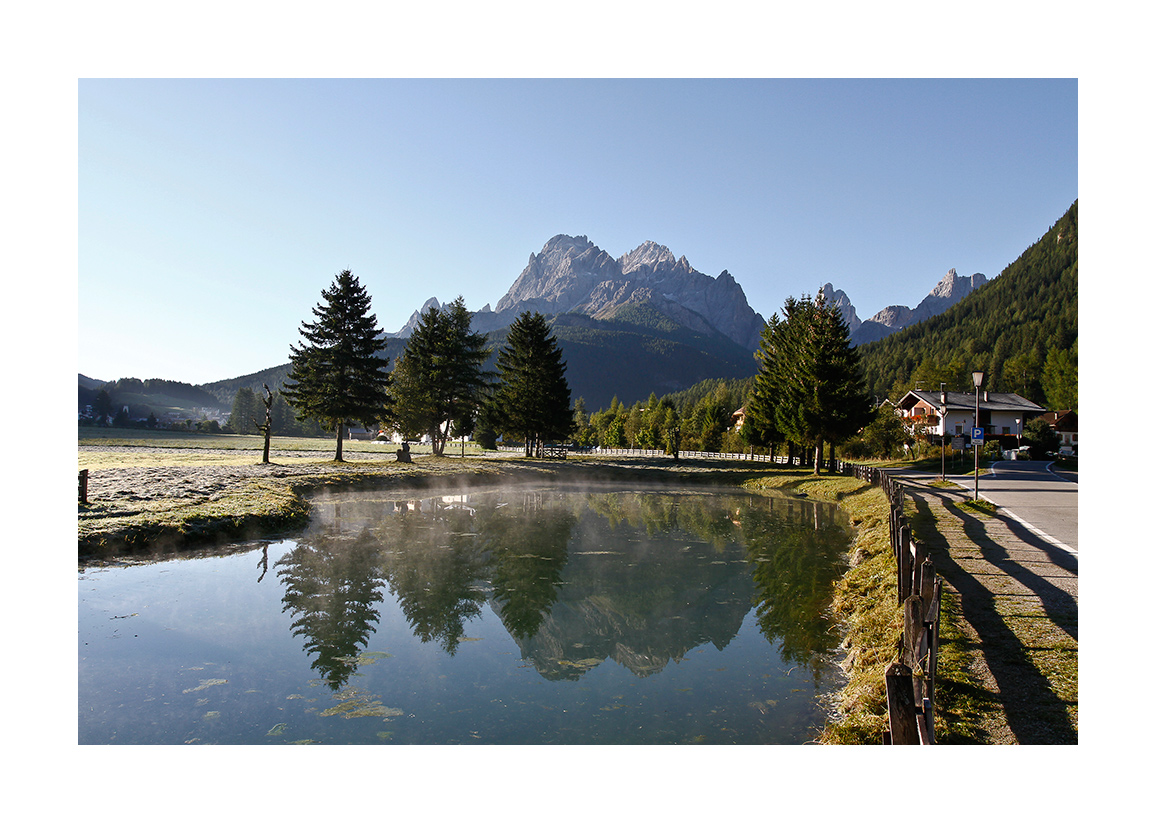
pixel 948 414
pixel 1064 423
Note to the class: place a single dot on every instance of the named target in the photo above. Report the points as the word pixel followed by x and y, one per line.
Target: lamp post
pixel 943 426
pixel 977 379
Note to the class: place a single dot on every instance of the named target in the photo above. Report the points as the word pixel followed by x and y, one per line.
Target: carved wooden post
pixel 82 486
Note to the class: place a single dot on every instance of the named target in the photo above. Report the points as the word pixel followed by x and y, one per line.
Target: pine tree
pixel 533 397
pixel 761 419
pixel 102 407
pixel 439 380
pixel 839 404
pixel 338 375
pixel 810 388
pixel 241 418
pixel 1059 378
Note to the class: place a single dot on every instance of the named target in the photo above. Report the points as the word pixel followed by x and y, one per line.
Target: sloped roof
pixel 995 402
pixel 1064 420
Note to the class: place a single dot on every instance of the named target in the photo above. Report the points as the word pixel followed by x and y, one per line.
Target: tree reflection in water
pixel 435 569
pixel 797 553
pixel 638 577
pixel 331 587
pixel 526 544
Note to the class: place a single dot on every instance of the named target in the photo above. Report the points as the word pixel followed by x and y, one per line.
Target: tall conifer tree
pixel 439 379
pixel 533 397
pixel 810 389
pixel 338 375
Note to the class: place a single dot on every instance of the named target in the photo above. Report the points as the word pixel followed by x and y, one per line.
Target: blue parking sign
pixel 977 435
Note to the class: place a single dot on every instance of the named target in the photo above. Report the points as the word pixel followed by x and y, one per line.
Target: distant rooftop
pixel 992 401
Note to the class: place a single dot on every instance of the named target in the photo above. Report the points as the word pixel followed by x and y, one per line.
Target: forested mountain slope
pixel 630 355
pixel 1007 328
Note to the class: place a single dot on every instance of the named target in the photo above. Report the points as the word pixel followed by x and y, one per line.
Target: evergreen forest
pixel 1020 329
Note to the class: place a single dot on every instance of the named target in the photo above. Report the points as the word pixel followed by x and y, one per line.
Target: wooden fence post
pixel 901 705
pixel 904 562
pixel 82 486
pixel 913 630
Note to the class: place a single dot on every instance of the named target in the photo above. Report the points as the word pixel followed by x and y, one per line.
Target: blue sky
pixel 213 212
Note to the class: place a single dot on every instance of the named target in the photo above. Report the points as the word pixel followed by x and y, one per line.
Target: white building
pixel 951 413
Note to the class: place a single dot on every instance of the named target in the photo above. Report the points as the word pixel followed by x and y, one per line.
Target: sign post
pixel 977 436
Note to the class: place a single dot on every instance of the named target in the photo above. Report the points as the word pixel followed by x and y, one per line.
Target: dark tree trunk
pixel 268 428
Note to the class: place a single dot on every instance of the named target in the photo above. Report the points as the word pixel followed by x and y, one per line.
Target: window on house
pixel 959 429
pixel 1004 430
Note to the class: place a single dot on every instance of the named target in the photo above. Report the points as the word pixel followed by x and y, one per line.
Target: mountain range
pixel 945 294
pixel 641 323
pixel 572 276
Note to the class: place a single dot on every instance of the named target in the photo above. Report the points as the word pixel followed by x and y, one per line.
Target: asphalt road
pixel 1042 500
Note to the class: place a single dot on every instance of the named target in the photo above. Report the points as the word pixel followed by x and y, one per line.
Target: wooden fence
pixel 911 678
pixel 659 453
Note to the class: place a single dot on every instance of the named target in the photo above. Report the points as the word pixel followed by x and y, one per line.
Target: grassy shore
pixel 275 500
pixel 864 605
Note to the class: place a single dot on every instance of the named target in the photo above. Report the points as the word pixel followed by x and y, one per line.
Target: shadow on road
pixel 1036 715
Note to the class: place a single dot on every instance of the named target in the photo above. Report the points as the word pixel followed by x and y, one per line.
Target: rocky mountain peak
pixel 412 323
pixel 957 286
pixel 650 256
pixel 839 299
pixel 571 274
pixel 947 292
pixel 558 277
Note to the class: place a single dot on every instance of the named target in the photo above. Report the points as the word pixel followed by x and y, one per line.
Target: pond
pixel 547 615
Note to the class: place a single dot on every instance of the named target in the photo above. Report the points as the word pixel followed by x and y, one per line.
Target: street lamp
pixel 943 426
pixel 977 379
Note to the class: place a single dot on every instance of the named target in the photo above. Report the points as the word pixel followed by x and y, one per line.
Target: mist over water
pixel 523 615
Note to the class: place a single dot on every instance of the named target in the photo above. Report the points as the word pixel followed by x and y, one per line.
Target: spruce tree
pixel 838 403
pixel 244 411
pixel 761 419
pixel 338 375
pixel 439 380
pixel 533 397
pixel 810 389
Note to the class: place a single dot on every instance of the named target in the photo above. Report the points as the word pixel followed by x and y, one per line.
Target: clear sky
pixel 213 212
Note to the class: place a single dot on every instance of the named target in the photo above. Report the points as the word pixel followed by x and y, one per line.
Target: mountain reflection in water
pixel 637 577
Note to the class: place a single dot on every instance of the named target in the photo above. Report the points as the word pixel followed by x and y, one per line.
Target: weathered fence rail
pixel 658 453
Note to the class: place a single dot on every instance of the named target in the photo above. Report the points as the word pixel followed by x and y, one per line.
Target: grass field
pixel 245 446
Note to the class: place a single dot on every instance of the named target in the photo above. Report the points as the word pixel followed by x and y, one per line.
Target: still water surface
pixel 514 616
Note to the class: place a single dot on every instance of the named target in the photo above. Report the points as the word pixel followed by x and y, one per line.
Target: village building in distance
pixel 950 414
